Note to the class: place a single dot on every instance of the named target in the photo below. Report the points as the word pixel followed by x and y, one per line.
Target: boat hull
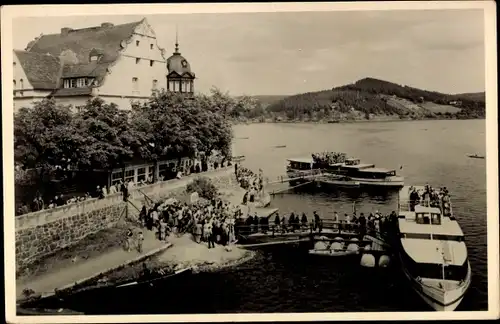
pixel 446 301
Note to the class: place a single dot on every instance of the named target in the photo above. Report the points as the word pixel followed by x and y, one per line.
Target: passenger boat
pixel 476 156
pixel 432 250
pixel 301 170
pixel 366 174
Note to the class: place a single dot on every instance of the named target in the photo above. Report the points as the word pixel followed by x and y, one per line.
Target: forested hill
pixel 371 98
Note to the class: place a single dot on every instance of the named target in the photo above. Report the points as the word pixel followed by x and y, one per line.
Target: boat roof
pixel 377 170
pixel 431 251
pixel 447 226
pixel 301 160
pixel 359 166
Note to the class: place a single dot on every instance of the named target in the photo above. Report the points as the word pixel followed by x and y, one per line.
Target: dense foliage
pixel 370 96
pixel 204 187
pixel 102 136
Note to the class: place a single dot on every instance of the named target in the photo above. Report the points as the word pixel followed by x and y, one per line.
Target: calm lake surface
pixel 281 280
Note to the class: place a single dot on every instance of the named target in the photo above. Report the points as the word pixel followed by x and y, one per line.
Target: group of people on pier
pixel 209 221
pixel 373 223
pixel 251 182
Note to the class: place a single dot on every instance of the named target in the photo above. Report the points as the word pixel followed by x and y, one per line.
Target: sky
pixel 275 53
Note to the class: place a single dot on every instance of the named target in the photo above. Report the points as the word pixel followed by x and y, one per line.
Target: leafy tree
pixel 108 138
pixel 204 187
pixel 176 126
pixel 45 137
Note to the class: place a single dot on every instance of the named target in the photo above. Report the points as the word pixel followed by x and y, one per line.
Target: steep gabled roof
pixel 43 71
pixel 105 40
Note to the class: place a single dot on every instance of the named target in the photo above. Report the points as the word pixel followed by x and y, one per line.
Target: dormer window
pixel 151 46
pixel 137 43
pixel 95 54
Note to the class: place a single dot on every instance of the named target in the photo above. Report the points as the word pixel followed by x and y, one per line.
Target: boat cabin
pixel 301 164
pixel 427 215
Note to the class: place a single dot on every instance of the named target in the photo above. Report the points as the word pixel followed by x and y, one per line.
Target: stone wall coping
pixel 66 211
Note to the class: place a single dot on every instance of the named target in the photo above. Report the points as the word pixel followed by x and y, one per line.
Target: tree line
pixel 369 96
pixel 100 135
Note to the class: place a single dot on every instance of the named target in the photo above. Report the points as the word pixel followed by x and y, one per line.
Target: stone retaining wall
pixel 45 232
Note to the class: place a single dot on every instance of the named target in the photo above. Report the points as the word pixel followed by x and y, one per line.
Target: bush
pixel 204 187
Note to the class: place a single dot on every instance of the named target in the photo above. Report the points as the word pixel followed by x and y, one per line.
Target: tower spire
pixel 176 39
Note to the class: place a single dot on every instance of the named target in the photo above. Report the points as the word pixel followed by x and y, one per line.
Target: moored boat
pixel 301 170
pixel 476 156
pixel 432 247
pixel 366 174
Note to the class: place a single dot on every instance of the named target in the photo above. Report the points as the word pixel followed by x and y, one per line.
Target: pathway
pixel 86 269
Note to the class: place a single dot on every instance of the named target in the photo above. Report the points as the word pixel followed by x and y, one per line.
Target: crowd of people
pixel 120 186
pixel 328 158
pixel 431 197
pixel 208 221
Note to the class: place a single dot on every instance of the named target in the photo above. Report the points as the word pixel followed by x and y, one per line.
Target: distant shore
pixel 351 121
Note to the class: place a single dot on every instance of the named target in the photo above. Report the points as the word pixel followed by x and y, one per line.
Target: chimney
pixel 106 25
pixel 65 31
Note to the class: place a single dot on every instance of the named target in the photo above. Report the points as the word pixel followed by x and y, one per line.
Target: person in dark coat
pixel 277 222
pixel 291 221
pixel 304 220
pixel 143 215
pixel 317 221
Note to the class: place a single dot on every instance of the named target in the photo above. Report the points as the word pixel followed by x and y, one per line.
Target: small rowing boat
pixel 476 156
pixel 44 311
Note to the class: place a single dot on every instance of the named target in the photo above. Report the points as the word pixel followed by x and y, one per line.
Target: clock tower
pixel 179 78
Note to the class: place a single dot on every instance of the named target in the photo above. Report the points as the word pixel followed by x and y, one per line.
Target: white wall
pixel 118 82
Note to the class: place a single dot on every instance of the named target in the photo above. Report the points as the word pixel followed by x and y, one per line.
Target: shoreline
pixel 324 122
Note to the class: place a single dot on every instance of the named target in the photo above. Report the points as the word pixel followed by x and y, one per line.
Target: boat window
pixel 443 237
pixel 422 218
pixel 418 236
pixel 436 219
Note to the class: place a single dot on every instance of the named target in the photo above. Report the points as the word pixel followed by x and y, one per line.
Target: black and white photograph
pixel 214 162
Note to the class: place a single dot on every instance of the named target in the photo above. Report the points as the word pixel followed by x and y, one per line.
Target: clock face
pixel 184 63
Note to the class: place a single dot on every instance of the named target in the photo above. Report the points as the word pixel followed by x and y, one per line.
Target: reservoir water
pixel 279 280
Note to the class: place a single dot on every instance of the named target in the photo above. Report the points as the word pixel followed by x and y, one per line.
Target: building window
pixel 15 62
pixel 14 84
pixel 80 83
pixel 129 175
pixel 21 84
pixel 21 93
pixel 116 177
pixel 151 46
pixel 151 63
pixel 141 174
pixel 135 83
pixel 137 60
pixel 155 84
pixel 137 43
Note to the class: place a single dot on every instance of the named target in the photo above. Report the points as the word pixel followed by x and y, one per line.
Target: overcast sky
pixel 288 53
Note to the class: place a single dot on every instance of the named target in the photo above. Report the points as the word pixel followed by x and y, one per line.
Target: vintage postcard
pixel 262 162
